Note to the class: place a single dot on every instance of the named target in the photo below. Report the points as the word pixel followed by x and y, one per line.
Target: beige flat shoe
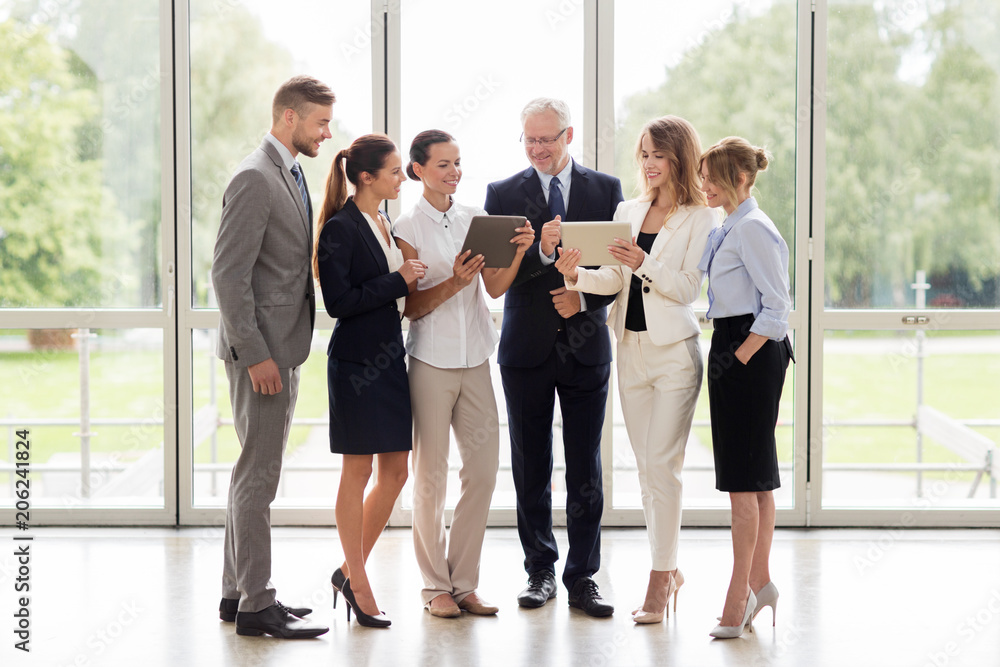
pixel 444 611
pixel 482 608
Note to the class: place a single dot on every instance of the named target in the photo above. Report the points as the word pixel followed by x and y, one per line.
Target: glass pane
pixel 310 474
pixel 77 229
pixel 699 464
pixel 482 107
pixel 910 418
pixel 93 403
pixel 913 155
pixel 240 53
pixel 708 59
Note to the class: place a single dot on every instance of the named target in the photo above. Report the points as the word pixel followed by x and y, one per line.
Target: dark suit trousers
pixel 530 395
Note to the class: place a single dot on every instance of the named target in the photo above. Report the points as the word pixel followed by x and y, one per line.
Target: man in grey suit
pixel 261 274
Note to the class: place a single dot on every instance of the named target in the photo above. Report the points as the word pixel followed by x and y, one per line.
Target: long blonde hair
pixel 366 154
pixel 678 139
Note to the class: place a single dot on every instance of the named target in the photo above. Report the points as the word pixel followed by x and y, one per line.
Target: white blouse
pixel 459 333
pixel 393 255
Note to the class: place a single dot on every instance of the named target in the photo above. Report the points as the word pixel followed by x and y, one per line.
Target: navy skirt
pixel 369 406
pixel 743 400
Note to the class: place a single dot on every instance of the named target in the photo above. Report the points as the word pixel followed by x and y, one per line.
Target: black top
pixel 635 316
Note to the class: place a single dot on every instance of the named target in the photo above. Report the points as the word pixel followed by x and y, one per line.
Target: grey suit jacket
pixel 262 266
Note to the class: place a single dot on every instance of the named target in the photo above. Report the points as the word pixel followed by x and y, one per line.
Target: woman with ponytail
pixel 748 302
pixel 365 280
pixel 451 338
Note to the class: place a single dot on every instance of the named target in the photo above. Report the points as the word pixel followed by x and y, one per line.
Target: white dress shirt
pixel 393 255
pixel 459 333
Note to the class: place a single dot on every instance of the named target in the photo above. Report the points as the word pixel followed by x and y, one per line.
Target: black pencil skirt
pixel 743 400
pixel 369 406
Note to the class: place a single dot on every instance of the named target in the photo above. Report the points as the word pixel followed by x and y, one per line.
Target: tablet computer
pixel 490 235
pixel 592 240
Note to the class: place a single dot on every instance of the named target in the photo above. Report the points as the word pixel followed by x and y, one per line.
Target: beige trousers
pixel 659 386
pixel 442 399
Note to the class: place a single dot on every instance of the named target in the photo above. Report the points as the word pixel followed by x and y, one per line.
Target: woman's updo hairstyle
pixel 729 158
pixel 420 149
pixel 367 153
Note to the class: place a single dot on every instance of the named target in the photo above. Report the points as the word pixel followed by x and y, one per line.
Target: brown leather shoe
pixel 473 604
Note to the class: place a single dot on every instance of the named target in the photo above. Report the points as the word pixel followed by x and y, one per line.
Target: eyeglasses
pixel 544 142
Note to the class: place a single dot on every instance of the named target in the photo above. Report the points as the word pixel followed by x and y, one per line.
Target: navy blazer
pixel 358 289
pixel 530 321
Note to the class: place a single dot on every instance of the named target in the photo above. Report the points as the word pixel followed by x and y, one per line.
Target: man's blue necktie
pixel 301 182
pixel 556 204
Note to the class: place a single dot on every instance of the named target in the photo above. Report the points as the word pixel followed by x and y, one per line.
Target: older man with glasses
pixel 555 342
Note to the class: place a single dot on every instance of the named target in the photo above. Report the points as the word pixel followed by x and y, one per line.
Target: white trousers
pixel 659 386
pixel 442 399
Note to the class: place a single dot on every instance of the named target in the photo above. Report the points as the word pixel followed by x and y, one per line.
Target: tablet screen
pixel 592 240
pixel 490 235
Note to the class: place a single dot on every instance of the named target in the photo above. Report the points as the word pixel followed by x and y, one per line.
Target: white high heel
pixel 732 631
pixel 767 597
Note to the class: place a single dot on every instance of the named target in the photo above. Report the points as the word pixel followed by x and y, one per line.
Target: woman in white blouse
pixel 659 359
pixel 451 338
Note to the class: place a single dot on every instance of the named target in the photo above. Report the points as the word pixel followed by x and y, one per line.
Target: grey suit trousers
pixel 262 424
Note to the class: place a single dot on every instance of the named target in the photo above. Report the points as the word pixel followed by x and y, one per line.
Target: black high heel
pixel 337 580
pixel 364 619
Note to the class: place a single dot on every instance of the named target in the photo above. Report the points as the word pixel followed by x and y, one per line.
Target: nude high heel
pixel 767 597
pixel 642 617
pixel 732 631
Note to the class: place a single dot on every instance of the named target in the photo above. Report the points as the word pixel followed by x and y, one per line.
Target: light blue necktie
pixel 301 182
pixel 711 247
pixel 556 204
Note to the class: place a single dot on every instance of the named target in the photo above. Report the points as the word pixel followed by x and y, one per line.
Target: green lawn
pixel 128 384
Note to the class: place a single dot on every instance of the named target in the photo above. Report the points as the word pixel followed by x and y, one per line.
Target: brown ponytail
pixel 366 154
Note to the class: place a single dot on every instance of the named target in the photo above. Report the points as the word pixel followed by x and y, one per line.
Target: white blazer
pixel 670 275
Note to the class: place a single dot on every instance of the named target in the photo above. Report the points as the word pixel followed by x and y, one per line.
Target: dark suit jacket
pixel 530 321
pixel 358 289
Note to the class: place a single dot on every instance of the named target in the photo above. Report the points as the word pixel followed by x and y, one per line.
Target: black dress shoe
pixel 541 588
pixel 276 621
pixel 584 595
pixel 229 607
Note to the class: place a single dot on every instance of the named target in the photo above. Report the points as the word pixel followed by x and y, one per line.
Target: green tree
pixel 235 70
pixel 912 136
pixel 54 209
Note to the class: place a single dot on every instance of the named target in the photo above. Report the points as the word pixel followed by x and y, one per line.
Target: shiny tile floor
pixel 148 597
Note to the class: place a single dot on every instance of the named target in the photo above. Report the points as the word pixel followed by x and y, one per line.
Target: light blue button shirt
pixel 749 272
pixel 565 180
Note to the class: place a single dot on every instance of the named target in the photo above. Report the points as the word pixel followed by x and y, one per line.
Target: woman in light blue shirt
pixel 747 265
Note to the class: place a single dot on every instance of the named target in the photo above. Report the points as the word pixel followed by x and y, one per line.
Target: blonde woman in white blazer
pixel 659 359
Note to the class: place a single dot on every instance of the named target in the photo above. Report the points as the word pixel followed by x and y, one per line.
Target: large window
pixel 121 123
pixel 85 265
pixel 912 257
pixel 730 69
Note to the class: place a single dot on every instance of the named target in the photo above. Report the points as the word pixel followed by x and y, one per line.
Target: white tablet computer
pixel 490 235
pixel 592 240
